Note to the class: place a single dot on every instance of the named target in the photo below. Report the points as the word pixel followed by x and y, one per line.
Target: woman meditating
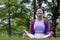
pixel 39 27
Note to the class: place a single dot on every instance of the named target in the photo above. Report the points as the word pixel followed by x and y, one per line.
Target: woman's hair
pixel 40 8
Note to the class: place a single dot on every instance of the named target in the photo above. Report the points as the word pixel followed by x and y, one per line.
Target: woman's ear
pixel 43 16
pixel 36 16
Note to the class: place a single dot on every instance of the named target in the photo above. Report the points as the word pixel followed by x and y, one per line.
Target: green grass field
pixel 14 37
pixel 25 38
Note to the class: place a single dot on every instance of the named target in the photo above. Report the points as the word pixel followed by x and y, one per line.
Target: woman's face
pixel 39 12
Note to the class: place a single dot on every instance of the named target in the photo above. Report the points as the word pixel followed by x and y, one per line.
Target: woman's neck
pixel 39 18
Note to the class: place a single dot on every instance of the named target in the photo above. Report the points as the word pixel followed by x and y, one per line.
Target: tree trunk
pixel 55 16
pixel 9 22
pixel 54 26
pixel 34 1
pixel 40 3
pixel 9 28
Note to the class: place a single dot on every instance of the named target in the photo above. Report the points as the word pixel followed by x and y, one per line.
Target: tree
pixel 14 10
pixel 34 1
pixel 55 12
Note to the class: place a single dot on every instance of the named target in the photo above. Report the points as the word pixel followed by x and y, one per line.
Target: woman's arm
pixel 31 27
pixel 47 27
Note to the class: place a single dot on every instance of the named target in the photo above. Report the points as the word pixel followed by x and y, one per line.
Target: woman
pixel 39 27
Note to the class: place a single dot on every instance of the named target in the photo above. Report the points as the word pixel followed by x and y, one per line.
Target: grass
pixel 6 37
pixel 25 38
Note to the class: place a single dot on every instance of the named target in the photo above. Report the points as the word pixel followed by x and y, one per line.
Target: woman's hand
pixel 51 34
pixel 24 34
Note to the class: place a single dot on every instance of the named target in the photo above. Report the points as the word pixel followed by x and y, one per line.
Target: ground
pixel 25 38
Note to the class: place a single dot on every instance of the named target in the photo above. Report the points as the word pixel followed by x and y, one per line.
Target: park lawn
pixel 25 38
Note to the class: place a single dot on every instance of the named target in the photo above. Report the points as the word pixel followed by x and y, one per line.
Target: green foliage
pixel 58 26
pixel 58 29
pixel 18 15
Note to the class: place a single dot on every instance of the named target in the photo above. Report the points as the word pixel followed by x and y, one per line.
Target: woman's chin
pixel 39 16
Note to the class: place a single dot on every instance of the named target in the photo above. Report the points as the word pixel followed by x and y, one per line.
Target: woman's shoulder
pixel 45 20
pixel 33 20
